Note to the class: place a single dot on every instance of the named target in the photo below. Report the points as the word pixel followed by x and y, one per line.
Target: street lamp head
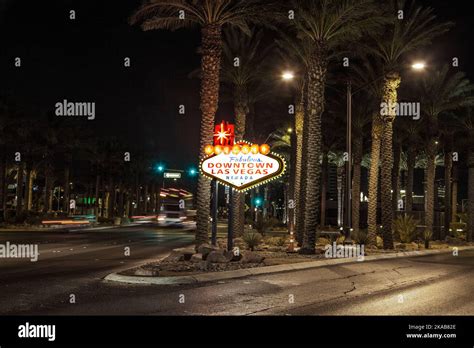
pixel 287 76
pixel 418 66
pixel 290 130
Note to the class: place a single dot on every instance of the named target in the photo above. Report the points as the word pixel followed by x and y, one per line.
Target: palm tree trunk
pixel 340 195
pixel 3 191
pixel 470 231
pixel 96 195
pixel 396 184
pixel 386 185
pixel 67 173
pixel 210 72
pixel 429 182
pixel 312 132
pixel 374 180
pixel 396 178
pixel 29 188
pixel 454 208
pixel 324 185
pixel 241 110
pixel 47 188
pixel 19 188
pixel 448 165
pixel 298 194
pixel 121 208
pixel 357 159
pixel 411 158
pixel 389 96
pixel 111 203
pixel 145 201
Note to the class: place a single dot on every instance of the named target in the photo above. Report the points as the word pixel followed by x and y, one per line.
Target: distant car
pixel 172 216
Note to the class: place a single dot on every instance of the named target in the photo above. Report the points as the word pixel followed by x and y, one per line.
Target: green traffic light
pixel 160 168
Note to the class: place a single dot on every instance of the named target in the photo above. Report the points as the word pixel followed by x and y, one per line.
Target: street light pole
pixel 348 222
pixel 230 231
pixel 215 194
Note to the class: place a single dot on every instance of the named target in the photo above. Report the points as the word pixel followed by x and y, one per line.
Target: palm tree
pixel 466 132
pixel 243 78
pixel 361 121
pixel 441 91
pixel 415 30
pixel 338 159
pixel 211 16
pixel 447 131
pixel 328 24
pixel 412 134
pixel 298 51
pixel 367 75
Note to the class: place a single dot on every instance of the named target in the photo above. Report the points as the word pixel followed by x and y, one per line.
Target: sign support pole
pixel 215 191
pixel 230 232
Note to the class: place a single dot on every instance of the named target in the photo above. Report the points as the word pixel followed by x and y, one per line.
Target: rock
pixel 401 246
pixel 202 266
pixel 197 257
pixel 455 241
pixel 251 257
pixel 205 249
pixel 276 249
pixel 216 257
pixel 230 256
pixel 175 256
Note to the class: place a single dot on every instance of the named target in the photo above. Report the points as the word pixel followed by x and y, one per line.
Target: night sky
pixel 82 60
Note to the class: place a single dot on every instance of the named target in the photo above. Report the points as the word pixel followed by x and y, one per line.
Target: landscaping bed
pixel 269 251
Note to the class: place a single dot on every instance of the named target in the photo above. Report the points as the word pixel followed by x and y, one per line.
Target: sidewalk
pixel 215 276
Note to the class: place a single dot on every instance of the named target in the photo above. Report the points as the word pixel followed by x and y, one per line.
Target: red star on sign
pixel 224 134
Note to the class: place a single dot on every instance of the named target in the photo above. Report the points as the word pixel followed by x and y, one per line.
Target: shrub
pixel 276 241
pixel 359 237
pixel 263 225
pixel 457 229
pixel 405 227
pixel 281 241
pixel 125 221
pixel 33 218
pixel 252 239
pixel 323 241
pixel 427 235
pixel 379 242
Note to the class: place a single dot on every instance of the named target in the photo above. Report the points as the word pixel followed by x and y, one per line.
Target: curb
pixel 208 277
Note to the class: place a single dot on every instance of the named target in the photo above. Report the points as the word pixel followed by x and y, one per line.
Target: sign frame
pixel 282 167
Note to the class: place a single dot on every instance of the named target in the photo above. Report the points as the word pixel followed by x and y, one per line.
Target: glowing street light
pixel 290 130
pixel 418 66
pixel 287 76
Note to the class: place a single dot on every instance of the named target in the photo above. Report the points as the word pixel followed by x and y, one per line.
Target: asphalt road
pixel 70 261
pixel 430 285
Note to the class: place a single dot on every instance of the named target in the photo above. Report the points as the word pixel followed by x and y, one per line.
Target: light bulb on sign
pixel 264 149
pixel 254 149
pixel 209 149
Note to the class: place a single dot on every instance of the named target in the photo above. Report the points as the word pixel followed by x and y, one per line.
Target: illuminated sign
pixel 242 165
pixel 169 175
